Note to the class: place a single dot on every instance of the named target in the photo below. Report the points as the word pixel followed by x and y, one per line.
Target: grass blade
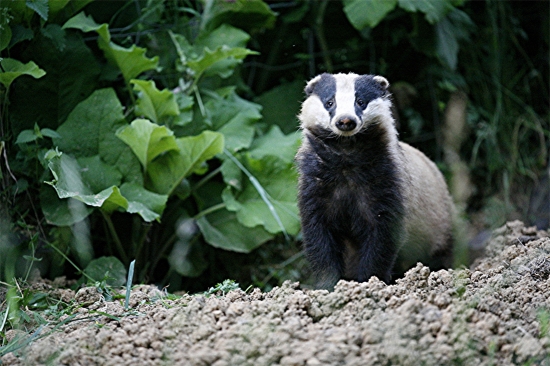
pixel 129 284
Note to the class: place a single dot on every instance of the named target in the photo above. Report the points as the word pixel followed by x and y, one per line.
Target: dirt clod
pixel 493 313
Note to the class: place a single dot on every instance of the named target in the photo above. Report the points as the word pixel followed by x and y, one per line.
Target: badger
pixel 370 205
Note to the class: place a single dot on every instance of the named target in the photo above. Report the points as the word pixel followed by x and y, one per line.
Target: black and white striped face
pixel 344 103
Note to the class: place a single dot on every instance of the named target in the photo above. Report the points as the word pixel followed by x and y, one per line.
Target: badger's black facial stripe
pixel 366 90
pixel 325 89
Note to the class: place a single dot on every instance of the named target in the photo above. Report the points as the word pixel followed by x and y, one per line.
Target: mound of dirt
pixel 494 313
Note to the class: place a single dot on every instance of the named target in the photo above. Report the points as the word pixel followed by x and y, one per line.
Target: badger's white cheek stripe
pixel 314 113
pixel 379 109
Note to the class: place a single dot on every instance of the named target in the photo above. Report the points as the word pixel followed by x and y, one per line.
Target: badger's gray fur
pixel 370 205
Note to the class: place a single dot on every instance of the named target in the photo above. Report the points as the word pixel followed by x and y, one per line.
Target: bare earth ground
pixel 493 314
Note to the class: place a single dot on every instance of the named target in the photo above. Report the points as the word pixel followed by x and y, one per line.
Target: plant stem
pixel 207 178
pixel 320 33
pixel 199 99
pixel 209 210
pixel 131 92
pixel 115 237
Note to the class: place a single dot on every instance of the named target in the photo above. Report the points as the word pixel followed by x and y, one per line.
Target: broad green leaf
pixel 279 185
pixel 234 117
pixel 184 49
pixel 232 175
pixel 49 133
pixel 221 61
pixel 13 69
pixel 67 179
pixel 88 124
pixel 26 136
pixel 363 14
pixel 39 6
pixel 18 34
pixel 449 31
pixel 185 104
pixel 131 61
pixel 288 95
pixel 147 204
pixel 71 76
pixel 68 183
pixel 90 130
pixel 246 14
pixel 434 10
pixel 56 5
pixel 221 229
pixel 153 103
pixel 85 24
pixel 33 135
pixel 97 174
pixel 213 53
pixel 108 269
pixel 61 212
pixel 147 140
pixel 167 171
pixel 224 35
pixel 57 36
pixel 5 31
pixel 275 143
pixel 447 43
pixel 86 179
pixel 82 180
pixel 109 199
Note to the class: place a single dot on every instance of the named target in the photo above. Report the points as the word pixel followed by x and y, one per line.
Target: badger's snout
pixel 346 123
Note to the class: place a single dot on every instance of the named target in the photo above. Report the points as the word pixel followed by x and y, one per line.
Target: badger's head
pixel 344 103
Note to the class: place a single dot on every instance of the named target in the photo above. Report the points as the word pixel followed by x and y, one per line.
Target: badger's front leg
pixel 377 253
pixel 322 252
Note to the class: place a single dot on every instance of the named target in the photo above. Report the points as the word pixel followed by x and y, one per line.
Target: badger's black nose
pixel 346 124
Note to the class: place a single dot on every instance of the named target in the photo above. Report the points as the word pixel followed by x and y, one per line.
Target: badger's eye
pixel 360 102
pixel 329 103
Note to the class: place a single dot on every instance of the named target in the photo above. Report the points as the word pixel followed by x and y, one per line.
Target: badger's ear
pixel 384 83
pixel 311 85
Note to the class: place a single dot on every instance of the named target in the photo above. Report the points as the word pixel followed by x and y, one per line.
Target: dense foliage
pixel 165 131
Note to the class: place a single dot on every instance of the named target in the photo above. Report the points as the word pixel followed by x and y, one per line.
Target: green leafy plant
pixel 223 288
pixel 133 161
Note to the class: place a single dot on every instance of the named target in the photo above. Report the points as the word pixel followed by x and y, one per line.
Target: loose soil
pixel 492 314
